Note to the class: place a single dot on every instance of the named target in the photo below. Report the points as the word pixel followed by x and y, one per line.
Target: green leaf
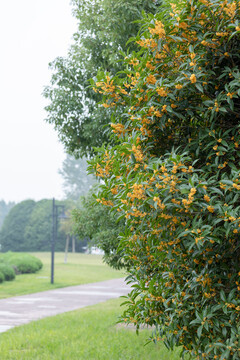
pixel 199 331
pixel 133 158
pixel 199 87
pixel 224 331
pixel 184 191
pixel 191 50
pixel 225 355
pixel 216 190
pixel 223 296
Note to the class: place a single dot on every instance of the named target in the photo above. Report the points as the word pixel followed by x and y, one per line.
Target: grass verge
pixel 80 269
pixel 87 334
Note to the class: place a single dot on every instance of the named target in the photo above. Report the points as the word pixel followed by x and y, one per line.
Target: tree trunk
pixel 73 244
pixel 66 249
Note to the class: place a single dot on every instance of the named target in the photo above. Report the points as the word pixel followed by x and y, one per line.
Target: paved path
pixel 20 310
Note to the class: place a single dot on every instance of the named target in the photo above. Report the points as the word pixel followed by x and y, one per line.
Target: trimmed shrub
pixel 25 263
pixel 21 262
pixel 8 271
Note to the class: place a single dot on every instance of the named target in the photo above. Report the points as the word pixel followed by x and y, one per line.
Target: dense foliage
pixel 104 27
pixel 174 175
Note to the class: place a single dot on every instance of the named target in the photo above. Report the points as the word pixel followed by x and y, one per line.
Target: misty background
pixel 33 33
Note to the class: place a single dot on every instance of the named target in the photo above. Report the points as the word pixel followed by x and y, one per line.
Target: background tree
pixel 76 180
pixel 4 210
pixel 95 222
pixel 104 26
pixel 38 230
pixel 12 235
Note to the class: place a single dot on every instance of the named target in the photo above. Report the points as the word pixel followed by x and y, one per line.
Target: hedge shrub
pixel 174 175
pixel 8 271
pixel 26 264
pixel 21 262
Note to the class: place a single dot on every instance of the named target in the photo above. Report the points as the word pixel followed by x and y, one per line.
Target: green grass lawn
pixel 90 333
pixel 80 269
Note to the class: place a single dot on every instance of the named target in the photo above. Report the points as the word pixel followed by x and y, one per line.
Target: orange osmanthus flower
pixel 193 79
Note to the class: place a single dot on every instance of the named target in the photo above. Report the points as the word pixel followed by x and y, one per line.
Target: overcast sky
pixel 33 33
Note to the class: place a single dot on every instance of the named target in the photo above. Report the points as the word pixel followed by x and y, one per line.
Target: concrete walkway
pixel 21 310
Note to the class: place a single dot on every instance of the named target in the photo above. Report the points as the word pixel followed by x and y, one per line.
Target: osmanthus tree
pixel 104 27
pixel 174 175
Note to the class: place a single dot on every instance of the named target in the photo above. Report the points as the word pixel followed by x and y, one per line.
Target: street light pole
pixel 54 234
pixel 53 240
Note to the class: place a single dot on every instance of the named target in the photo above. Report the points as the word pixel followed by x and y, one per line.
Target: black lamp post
pixel 55 216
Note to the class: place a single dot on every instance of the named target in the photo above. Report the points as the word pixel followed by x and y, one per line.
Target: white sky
pixel 33 33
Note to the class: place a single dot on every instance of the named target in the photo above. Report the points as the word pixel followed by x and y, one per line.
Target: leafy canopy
pixel 104 27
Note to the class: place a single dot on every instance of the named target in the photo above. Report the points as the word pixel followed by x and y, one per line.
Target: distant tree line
pixel 28 227
pixel 4 209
